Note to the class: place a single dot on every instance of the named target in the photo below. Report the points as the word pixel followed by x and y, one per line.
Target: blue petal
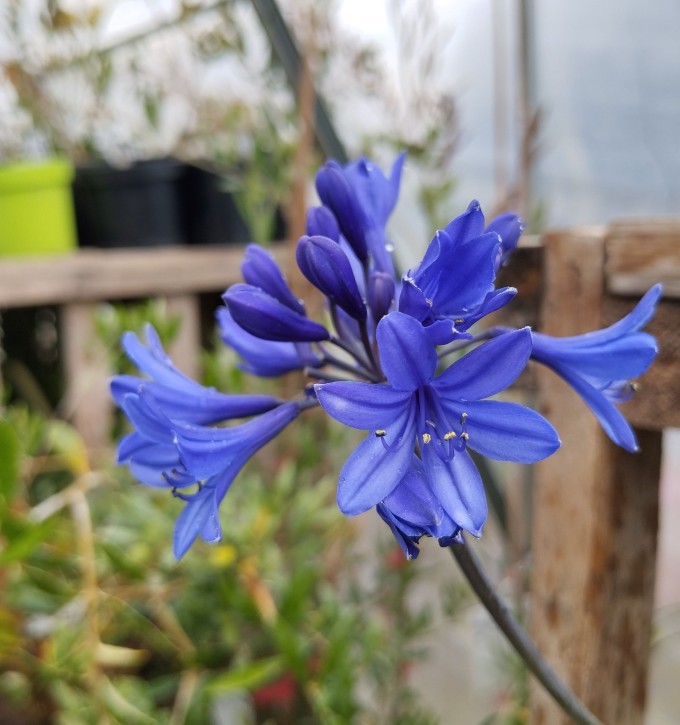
pixel 458 486
pixel 381 290
pixel 326 266
pixel 610 418
pixel 153 360
pixel 509 228
pixel 620 358
pixel 413 501
pixel 122 385
pixel 372 471
pixel 405 538
pixel 506 431
pixel 259 269
pixel 412 301
pixel 632 322
pixel 493 301
pixel 442 332
pixel 199 513
pixel 363 405
pixel 468 225
pixel 488 369
pixel 469 277
pixel 407 356
pixel 147 417
pixel 376 194
pixel 262 315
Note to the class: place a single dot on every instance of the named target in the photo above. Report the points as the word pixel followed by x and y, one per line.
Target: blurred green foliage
pixel 285 621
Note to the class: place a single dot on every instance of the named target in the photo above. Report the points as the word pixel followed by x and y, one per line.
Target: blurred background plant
pixel 200 81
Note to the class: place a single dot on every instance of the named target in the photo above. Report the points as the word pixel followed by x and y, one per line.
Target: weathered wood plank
pixel 595 522
pixel 88 403
pixel 98 274
pixel 641 253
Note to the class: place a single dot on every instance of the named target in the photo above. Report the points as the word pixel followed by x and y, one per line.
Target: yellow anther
pixel 635 387
pixel 463 417
pixel 465 436
pixel 448 436
pixel 459 321
pixel 380 433
pixel 426 438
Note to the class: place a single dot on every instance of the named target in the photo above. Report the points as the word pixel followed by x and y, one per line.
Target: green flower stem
pixel 518 637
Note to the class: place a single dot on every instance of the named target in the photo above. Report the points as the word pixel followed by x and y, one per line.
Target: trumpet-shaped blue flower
pixel 600 365
pixel 442 416
pixel 185 455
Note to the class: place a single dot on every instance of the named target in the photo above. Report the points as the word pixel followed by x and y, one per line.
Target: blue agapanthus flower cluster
pixel 377 363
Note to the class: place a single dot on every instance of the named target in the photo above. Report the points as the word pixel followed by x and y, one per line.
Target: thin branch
pixel 518 636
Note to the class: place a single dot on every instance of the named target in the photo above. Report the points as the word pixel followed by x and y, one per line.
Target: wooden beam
pixel 595 520
pixel 641 253
pixel 91 275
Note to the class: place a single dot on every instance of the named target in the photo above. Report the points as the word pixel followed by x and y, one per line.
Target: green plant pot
pixel 36 208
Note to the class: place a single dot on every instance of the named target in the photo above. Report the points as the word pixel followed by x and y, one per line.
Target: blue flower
pixel 599 365
pixel 442 416
pixel 185 455
pixel 455 280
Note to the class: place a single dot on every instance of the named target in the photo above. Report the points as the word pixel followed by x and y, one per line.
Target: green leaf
pixel 23 537
pixel 248 676
pixel 10 450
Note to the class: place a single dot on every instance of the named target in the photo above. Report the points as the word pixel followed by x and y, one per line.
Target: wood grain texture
pixel 595 522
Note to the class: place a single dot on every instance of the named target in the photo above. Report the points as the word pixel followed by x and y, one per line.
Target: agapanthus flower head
pixel 376 362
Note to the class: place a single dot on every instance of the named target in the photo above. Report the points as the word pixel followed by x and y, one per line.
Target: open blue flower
pixel 600 365
pixel 440 416
pixel 455 280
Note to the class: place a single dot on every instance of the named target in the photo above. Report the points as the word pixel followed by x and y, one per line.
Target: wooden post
pixel 595 519
pixel 88 402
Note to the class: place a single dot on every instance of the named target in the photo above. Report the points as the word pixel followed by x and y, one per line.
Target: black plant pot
pixel 131 207
pixel 210 213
